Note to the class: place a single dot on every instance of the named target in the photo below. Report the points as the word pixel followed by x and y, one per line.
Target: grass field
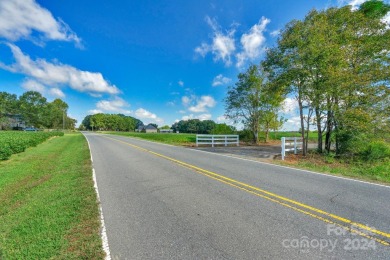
pixel 174 139
pixel 48 203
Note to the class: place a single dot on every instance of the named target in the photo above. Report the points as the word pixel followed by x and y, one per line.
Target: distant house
pixel 12 122
pixel 150 129
pixel 140 128
pixel 146 129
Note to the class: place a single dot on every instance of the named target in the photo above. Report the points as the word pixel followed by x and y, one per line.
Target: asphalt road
pixel 165 202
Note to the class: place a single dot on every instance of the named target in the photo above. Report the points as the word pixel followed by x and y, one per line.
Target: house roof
pixel 150 127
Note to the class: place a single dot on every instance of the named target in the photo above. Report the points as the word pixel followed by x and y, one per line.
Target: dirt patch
pixel 260 152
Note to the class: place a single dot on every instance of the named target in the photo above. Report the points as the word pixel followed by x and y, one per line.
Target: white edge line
pixel 240 158
pixel 103 232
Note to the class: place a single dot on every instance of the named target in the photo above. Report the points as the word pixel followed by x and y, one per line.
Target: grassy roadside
pixel 173 139
pixel 378 172
pixel 48 203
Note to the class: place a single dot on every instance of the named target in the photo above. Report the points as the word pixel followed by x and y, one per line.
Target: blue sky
pixel 159 61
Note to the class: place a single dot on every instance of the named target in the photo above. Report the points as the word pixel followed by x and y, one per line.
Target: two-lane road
pixel 166 202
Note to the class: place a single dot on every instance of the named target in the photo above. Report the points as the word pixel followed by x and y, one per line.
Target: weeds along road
pixel 165 202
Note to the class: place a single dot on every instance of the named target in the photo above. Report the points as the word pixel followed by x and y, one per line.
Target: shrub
pixel 377 150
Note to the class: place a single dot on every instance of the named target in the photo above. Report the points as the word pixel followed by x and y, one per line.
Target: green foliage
pixel 194 126
pixel 374 9
pixel 110 122
pixel 376 151
pixel 253 101
pixel 335 62
pixel 12 142
pixel 223 129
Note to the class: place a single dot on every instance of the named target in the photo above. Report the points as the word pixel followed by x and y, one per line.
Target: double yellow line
pixel 349 225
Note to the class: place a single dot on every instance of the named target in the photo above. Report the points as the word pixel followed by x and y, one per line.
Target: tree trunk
pixel 304 150
pixel 319 129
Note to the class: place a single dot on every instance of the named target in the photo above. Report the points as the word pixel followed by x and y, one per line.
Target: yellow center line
pixel 281 200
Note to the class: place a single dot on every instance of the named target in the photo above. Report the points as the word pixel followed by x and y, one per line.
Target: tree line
pixel 197 126
pixel 110 122
pixel 35 111
pixel 335 63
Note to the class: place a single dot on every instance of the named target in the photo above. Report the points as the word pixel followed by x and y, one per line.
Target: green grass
pixel 378 171
pixel 48 203
pixel 173 139
pixel 279 135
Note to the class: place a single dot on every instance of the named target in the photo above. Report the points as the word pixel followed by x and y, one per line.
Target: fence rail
pixel 217 140
pixel 295 144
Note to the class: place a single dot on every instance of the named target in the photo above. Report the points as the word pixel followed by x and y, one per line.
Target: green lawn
pixel 48 203
pixel 174 139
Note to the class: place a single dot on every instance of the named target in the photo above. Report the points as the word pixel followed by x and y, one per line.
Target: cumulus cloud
pixel 181 83
pixel 56 92
pixel 220 80
pixel 202 104
pixel 32 85
pixel 116 105
pixel 222 46
pixel 145 114
pixel 292 124
pixel 57 74
pixel 20 18
pixel 252 42
pixel 353 3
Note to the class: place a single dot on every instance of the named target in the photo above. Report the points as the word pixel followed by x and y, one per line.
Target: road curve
pixel 166 202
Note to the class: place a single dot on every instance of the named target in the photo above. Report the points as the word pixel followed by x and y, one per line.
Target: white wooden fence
pixel 217 139
pixel 292 144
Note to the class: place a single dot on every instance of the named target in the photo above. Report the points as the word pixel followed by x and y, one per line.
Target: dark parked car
pixel 30 129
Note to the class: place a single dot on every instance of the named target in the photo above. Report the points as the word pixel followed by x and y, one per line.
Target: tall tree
pixel 249 99
pixel 32 107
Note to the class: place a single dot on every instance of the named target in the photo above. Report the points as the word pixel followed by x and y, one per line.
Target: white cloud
pixel 145 114
pixel 117 105
pixel 275 33
pixel 56 92
pixel 292 124
pixel 95 111
pixel 222 46
pixel 220 80
pixel 185 100
pixel 181 83
pixel 289 106
pixel 353 3
pixel 201 117
pixel 202 104
pixel 222 119
pixel 19 18
pixel 34 86
pixel 54 74
pixel 252 42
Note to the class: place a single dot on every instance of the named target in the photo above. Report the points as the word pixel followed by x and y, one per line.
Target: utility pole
pixel 63 120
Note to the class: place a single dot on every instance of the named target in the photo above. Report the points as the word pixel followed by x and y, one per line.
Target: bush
pixel 377 150
pixel 5 151
pixel 12 142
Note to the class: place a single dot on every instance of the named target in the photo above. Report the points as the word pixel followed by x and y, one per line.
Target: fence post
pixel 283 147
pixel 196 140
pixel 295 145
pixel 225 140
pixel 212 141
